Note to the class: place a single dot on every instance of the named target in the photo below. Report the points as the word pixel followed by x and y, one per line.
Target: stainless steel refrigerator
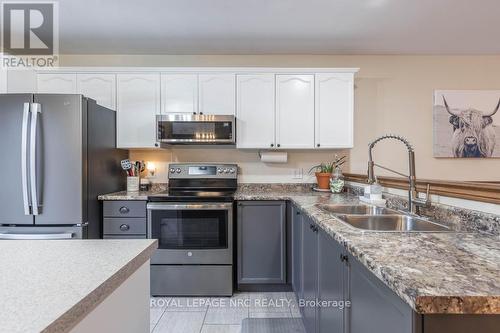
pixel 58 154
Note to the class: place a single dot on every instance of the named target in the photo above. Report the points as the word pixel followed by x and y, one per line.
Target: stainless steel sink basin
pixel 357 210
pixel 392 223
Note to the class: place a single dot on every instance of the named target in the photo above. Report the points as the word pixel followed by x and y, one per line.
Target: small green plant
pixel 328 167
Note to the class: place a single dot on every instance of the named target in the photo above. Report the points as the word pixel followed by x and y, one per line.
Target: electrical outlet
pixel 298 173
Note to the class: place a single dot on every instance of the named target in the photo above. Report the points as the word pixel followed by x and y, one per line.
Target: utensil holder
pixel 133 184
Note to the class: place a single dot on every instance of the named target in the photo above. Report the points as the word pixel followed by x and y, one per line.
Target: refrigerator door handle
pixel 35 110
pixel 16 236
pixel 24 159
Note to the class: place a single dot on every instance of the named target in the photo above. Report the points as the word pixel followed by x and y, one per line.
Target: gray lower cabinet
pixel 323 270
pixel 261 239
pixel 296 217
pixel 375 308
pixel 124 219
pixel 309 273
pixel 332 284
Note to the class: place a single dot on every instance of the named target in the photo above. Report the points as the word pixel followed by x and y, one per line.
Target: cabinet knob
pixel 201 112
pixel 194 112
pixel 318 145
pixel 124 227
pixel 272 144
pixel 124 210
pixel 157 145
pixel 297 212
pixel 279 145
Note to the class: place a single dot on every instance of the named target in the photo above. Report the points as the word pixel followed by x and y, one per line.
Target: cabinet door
pixel 309 272
pixel 101 87
pixel 295 111
pixel 138 103
pixel 217 94
pixel 261 242
pixel 374 307
pixel 331 273
pixel 56 83
pixel 20 81
pixel 255 111
pixel 179 93
pixel 334 110
pixel 297 252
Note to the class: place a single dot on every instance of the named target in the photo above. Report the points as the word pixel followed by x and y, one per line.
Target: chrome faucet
pixel 413 201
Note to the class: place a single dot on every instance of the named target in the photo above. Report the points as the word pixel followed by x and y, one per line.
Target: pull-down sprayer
pixel 413 200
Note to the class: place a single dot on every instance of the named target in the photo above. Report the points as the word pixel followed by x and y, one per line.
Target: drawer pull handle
pixel 124 210
pixel 124 227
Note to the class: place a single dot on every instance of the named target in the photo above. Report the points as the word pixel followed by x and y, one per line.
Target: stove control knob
pixel 232 170
pixel 172 170
pixel 226 170
pixel 219 170
pixel 178 170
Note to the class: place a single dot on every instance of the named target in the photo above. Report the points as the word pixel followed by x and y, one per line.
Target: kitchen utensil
pixel 132 184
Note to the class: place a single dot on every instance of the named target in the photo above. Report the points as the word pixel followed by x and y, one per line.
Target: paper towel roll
pixel 273 156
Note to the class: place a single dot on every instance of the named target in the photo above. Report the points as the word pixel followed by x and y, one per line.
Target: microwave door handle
pixel 33 162
pixel 24 159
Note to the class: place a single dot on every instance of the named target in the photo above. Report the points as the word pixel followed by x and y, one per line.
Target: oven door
pixel 195 129
pixel 191 233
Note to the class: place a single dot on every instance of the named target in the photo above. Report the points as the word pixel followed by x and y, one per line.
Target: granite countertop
pixel 435 273
pixel 52 285
pixel 124 195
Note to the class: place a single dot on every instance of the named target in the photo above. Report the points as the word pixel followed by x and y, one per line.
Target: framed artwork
pixel 467 123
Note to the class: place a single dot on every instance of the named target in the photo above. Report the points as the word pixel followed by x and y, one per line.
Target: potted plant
pixel 324 171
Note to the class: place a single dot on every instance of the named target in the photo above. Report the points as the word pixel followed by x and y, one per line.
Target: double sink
pixel 381 219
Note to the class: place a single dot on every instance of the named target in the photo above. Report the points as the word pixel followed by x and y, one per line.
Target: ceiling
pixel 279 27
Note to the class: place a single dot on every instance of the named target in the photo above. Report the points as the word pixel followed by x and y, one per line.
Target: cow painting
pixel 473 133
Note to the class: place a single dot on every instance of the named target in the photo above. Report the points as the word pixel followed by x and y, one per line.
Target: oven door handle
pixel 191 206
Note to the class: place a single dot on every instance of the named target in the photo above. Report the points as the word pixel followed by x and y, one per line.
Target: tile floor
pixel 218 315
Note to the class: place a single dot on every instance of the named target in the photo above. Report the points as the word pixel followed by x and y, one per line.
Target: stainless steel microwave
pixel 196 129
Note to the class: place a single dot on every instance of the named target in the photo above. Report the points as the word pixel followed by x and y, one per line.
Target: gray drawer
pixel 124 209
pixel 120 226
pixel 124 236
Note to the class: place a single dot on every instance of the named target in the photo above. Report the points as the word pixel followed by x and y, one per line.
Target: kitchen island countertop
pixel 51 285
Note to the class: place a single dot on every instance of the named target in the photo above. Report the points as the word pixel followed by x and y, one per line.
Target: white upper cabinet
pixel 334 110
pixel 56 83
pixel 255 124
pixel 217 94
pixel 20 81
pixel 138 103
pixel 179 93
pixel 101 87
pixel 295 111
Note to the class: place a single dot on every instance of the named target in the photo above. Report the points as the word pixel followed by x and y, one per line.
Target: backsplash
pixel 251 169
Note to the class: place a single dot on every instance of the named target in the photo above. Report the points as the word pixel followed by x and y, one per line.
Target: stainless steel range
pixel 193 222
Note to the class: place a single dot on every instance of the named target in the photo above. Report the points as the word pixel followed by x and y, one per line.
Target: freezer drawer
pixel 43 233
pixel 191 280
